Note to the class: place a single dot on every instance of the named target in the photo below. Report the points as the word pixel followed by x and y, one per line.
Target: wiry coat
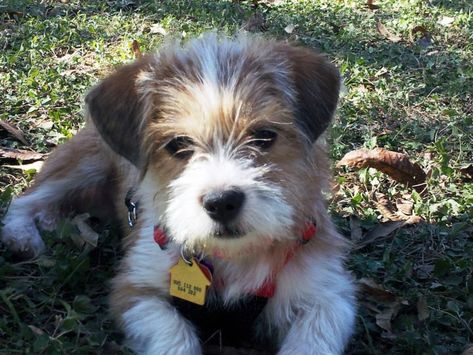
pixel 216 93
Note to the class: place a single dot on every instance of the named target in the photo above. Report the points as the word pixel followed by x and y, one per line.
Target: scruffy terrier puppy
pixel 216 147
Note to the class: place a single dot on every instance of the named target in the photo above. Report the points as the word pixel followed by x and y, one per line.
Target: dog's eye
pixel 264 138
pixel 179 147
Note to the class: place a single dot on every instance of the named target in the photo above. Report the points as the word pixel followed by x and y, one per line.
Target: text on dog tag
pixel 189 281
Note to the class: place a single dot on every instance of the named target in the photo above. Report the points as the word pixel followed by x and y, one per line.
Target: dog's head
pixel 225 132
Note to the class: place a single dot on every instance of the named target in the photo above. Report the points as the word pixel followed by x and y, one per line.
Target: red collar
pixel 268 289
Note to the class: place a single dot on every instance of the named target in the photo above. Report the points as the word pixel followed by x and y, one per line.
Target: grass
pixel 412 94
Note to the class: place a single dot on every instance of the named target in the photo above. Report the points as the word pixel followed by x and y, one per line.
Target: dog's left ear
pixel 317 84
pixel 117 111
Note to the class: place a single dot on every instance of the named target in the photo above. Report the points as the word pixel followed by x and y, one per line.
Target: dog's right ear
pixel 317 86
pixel 116 109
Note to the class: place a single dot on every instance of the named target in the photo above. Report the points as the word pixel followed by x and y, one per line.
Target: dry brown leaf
pixel 87 234
pixel 370 287
pixel 382 230
pixel 422 309
pixel 446 21
pixel 135 46
pixel 361 89
pixel 396 165
pixel 36 330
pixel 15 132
pixel 385 207
pixel 413 220
pixel 424 271
pixel 404 206
pixel 289 28
pixel 158 28
pixel 37 165
pixel 467 172
pixel 355 228
pixel 419 29
pixel 425 38
pixel 384 318
pixel 371 6
pixel 381 72
pixel 20 154
pixel 403 213
pixel 256 23
pixel 383 31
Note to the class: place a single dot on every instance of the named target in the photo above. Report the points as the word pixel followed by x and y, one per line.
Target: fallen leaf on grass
pixel 380 231
pixel 422 309
pixel 256 23
pixel 404 206
pixel 382 30
pixel 385 207
pixel 467 172
pixel 36 166
pixel 157 28
pixel 381 72
pixel 15 132
pixel 425 39
pixel 396 165
pixel 446 21
pixel 256 3
pixel 371 6
pixel 289 28
pixel 384 318
pixel 370 287
pixel 87 234
pixel 424 271
pixel 20 154
pixel 36 330
pixel 362 89
pixel 135 46
pixel 403 211
pixel 383 230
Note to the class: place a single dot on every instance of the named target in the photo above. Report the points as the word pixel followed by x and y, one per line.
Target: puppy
pixel 216 146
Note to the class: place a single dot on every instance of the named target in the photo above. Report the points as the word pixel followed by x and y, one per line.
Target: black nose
pixel 223 206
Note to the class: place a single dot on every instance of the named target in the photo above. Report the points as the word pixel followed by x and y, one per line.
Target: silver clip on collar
pixel 185 255
pixel 131 213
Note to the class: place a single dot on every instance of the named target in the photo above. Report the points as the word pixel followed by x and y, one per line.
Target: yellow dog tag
pixel 189 282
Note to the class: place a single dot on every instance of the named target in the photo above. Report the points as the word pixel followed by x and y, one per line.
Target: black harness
pixel 219 324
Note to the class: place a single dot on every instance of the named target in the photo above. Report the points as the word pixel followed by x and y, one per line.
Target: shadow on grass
pixel 329 29
pixel 419 76
pixel 409 287
pixel 457 5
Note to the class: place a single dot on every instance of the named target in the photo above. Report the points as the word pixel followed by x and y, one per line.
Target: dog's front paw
pixel 153 326
pixel 180 343
pixel 304 349
pixel 173 346
pixel 47 220
pixel 21 236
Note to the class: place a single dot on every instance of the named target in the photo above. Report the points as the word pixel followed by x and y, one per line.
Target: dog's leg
pixel 72 174
pixel 139 301
pixel 313 311
pixel 154 326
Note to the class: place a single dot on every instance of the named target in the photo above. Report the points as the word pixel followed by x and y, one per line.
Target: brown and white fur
pixel 220 94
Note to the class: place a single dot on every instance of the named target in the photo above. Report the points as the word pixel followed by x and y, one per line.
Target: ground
pixel 408 87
